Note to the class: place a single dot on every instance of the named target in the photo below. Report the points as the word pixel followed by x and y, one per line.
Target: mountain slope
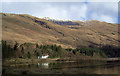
pixel 25 28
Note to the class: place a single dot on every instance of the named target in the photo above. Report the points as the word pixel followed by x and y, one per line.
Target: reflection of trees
pixel 55 65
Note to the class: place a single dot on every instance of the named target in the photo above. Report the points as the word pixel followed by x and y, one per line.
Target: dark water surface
pixel 58 67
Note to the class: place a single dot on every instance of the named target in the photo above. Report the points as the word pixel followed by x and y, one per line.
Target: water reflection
pixel 107 70
pixel 43 65
pixel 81 67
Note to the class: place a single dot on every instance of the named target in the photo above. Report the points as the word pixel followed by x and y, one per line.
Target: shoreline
pixel 51 60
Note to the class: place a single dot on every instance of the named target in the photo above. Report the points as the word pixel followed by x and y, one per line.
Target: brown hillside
pixel 25 28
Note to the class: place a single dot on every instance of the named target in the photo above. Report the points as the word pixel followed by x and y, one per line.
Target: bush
pixel 16 46
pixel 69 49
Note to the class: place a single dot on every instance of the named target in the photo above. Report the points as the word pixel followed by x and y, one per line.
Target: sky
pixel 85 10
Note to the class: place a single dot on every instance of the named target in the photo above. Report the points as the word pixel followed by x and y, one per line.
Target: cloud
pixel 102 0
pixel 80 11
pixel 52 12
pixel 107 18
pixel 103 11
pixel 43 0
pixel 102 17
pixel 64 11
pixel 60 0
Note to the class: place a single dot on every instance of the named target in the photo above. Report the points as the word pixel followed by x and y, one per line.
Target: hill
pixel 25 28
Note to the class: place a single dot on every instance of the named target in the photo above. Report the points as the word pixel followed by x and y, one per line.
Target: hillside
pixel 25 28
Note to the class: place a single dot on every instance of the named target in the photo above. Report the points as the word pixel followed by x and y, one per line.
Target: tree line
pixel 27 50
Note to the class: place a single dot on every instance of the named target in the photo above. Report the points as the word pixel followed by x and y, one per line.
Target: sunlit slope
pixel 25 28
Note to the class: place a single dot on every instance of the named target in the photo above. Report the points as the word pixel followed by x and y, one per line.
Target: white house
pixel 44 57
